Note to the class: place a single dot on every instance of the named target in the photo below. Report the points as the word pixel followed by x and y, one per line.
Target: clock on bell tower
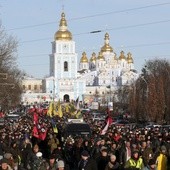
pixel 65 48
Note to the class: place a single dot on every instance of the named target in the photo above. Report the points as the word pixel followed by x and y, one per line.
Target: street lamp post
pixel 147 88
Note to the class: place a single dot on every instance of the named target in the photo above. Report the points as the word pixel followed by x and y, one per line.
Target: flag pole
pixel 53 96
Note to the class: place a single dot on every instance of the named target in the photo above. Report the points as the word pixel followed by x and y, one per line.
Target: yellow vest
pixel 136 164
pixel 162 162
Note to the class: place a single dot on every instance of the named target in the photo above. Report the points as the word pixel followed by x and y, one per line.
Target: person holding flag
pixel 109 121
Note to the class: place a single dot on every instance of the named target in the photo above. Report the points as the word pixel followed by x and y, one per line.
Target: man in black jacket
pixel 86 163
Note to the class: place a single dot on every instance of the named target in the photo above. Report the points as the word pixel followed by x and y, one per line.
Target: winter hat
pixel 52 156
pixel 163 148
pixel 135 151
pixel 97 140
pixel 4 161
pixel 60 164
pixel 85 153
pixel 151 162
pixel 39 154
pixel 103 148
pixel 7 155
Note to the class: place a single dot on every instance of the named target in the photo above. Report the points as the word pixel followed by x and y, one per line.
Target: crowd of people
pixel 120 148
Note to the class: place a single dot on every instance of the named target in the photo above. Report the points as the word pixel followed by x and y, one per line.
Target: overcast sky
pixel 141 27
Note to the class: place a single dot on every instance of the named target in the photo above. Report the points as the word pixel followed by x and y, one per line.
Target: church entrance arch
pixel 66 98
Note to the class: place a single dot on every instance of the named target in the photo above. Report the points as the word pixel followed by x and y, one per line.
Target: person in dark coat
pixel 86 146
pixel 95 152
pixel 14 150
pixel 103 159
pixel 52 162
pixel 24 154
pixel 77 149
pixel 146 153
pixel 86 163
pixel 31 157
pixel 114 150
pixel 58 152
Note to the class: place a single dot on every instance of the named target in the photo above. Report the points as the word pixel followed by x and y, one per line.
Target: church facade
pixel 69 79
pixel 63 82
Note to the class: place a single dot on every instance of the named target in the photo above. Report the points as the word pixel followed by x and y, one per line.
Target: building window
pixel 65 66
pixel 40 87
pixel 23 87
pixel 35 87
pixel 29 87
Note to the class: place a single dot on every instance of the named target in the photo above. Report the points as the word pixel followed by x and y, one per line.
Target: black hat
pixel 135 151
pixel 98 139
pixel 4 160
pixel 85 153
pixel 52 156
pixel 151 162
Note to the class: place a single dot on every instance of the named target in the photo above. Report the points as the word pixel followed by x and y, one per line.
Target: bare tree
pixel 149 98
pixel 10 89
pixel 8 51
pixel 122 97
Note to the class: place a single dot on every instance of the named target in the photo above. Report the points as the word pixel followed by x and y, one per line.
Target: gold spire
pixel 100 56
pixel 106 46
pixel 63 33
pixel 93 57
pixel 122 56
pixel 129 58
pixel 84 58
pixel 115 56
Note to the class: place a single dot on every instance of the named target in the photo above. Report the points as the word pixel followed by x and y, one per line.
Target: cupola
pixel 100 56
pixel 106 47
pixel 93 57
pixel 129 58
pixel 84 58
pixel 63 33
pixel 122 56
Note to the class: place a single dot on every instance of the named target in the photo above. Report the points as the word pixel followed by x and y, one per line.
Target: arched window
pixel 65 66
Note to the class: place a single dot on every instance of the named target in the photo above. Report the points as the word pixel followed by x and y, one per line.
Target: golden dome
pixel 129 58
pixel 106 46
pixel 100 56
pixel 122 56
pixel 84 58
pixel 63 33
pixel 93 57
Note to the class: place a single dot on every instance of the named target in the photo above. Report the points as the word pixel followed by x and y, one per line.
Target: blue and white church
pixel 63 82
pixel 69 79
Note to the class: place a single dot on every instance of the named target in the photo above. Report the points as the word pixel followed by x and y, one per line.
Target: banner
pixel 39 130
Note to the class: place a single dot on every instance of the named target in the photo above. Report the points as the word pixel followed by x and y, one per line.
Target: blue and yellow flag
pixel 52 110
pixel 55 130
pixel 78 114
pixel 60 113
